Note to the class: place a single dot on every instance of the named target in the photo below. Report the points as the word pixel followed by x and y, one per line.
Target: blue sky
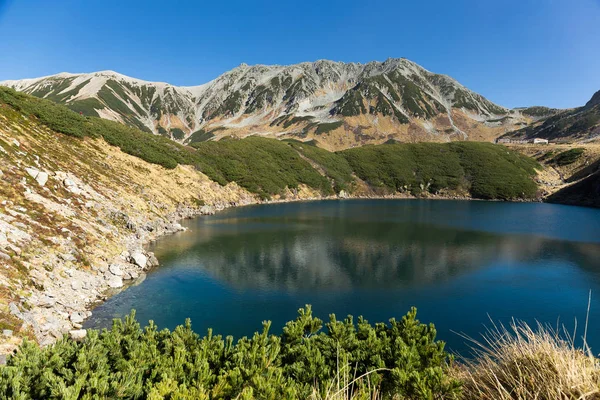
pixel 516 53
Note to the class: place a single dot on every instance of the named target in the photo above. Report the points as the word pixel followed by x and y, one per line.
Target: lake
pixel 459 262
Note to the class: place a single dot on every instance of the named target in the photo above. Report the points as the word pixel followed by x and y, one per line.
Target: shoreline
pixel 63 316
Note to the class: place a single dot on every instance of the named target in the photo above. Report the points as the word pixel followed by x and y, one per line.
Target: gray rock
pixel 115 270
pixel 78 334
pixel 46 302
pixel 139 259
pixel 7 333
pixel 115 282
pixel 14 309
pixel 77 317
pixel 152 260
pixel 67 257
pixel 2 359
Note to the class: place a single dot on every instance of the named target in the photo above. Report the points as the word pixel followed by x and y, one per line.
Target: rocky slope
pixel 581 124
pixel 74 217
pixel 341 104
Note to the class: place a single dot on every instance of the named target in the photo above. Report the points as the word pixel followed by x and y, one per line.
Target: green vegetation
pixel 538 111
pixel 568 156
pixel 328 127
pixel 177 133
pixel 267 166
pixel 402 358
pixel 333 165
pixel 484 170
pixel 87 107
pixel 148 147
pixel 263 166
pixel 200 136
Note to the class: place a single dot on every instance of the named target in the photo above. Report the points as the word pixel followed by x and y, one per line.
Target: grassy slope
pixel 267 167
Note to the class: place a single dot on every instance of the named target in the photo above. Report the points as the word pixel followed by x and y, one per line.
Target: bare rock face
pixel 78 334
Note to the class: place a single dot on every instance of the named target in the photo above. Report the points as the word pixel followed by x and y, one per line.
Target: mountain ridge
pixel 341 104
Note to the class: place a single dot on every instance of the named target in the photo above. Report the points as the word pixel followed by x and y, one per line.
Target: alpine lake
pixel 464 264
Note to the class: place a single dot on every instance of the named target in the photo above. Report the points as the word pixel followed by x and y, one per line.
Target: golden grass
pixel 520 362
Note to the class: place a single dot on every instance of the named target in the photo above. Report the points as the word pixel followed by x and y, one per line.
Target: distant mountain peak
pixel 595 100
pixel 340 103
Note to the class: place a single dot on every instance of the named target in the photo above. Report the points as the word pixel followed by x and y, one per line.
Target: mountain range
pixel 339 104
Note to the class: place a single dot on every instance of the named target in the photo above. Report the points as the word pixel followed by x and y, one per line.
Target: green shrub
pixel 568 156
pixel 328 127
pixel 485 170
pixel 133 363
pixel 263 166
pixel 335 166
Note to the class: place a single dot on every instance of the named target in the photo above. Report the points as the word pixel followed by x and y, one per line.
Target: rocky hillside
pixel 577 125
pixel 341 104
pixel 74 216
pixel 80 196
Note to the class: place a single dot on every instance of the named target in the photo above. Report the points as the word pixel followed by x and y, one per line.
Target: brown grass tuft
pixel 522 363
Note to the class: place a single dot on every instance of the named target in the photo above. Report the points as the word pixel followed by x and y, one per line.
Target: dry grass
pixel 520 362
pixel 348 387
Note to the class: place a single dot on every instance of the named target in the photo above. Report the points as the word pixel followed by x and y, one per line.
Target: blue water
pixel 461 263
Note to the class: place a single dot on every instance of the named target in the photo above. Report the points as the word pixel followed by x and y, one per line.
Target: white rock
pixel 139 259
pixel 76 285
pixel 68 182
pixel 115 270
pixel 7 332
pixel 115 282
pixel 39 176
pixel 78 334
pixel 76 318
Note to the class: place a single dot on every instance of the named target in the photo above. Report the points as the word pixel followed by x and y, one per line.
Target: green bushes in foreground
pixel 403 358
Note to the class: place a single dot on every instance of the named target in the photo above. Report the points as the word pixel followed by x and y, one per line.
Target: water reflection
pixel 458 262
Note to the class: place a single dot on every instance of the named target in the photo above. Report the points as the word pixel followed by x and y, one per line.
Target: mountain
pixel 339 104
pixel 580 124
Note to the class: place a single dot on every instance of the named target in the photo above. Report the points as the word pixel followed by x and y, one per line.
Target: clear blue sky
pixel 516 53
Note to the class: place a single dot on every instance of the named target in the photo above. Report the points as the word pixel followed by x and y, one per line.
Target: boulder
pixel 40 176
pixel 343 194
pixel 139 259
pixel 77 317
pixel 207 210
pixel 7 332
pixel 115 282
pixel 78 334
pixel 115 270
pixel 152 260
pixel 76 285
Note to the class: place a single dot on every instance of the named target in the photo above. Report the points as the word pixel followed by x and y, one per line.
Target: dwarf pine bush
pixel 129 362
